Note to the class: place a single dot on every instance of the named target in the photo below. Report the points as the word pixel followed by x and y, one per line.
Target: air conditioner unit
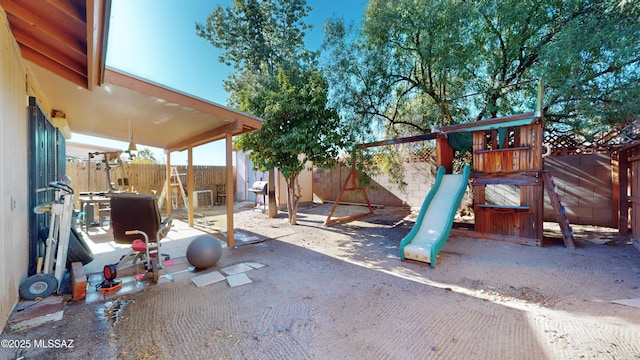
pixel 203 198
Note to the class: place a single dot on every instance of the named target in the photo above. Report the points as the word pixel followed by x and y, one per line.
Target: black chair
pixel 134 212
pixel 221 194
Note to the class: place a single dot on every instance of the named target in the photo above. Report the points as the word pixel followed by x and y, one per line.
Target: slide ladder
pixel 435 220
pixel 559 209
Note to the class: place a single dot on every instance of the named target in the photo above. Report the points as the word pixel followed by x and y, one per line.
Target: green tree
pixel 275 78
pixel 257 35
pixel 298 127
pixel 412 63
pixel 144 156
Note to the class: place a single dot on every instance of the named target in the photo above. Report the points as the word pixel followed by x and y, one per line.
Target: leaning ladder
pixel 559 209
pixel 174 182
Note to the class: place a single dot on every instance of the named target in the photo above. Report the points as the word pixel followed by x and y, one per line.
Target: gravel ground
pixel 341 292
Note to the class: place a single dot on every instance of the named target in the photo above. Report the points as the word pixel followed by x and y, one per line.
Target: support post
pixel 623 194
pixel 230 192
pixel 352 177
pixel 190 185
pixel 168 183
pixel 444 153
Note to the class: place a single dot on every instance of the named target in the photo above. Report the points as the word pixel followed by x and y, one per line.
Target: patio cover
pixel 158 116
pixel 64 42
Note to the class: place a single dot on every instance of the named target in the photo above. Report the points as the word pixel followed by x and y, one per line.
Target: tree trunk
pixel 293 199
pixel 273 207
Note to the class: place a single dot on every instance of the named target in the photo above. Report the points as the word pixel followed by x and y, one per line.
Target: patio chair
pixel 221 194
pixel 134 212
pixel 133 215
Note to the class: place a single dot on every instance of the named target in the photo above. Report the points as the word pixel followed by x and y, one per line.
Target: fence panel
pixel 142 178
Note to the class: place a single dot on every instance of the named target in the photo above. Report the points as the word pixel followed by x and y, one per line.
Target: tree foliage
pixel 277 79
pixel 144 156
pixel 258 35
pixel 298 127
pixel 413 63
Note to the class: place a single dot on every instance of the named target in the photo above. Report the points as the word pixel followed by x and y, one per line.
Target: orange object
pixel 78 281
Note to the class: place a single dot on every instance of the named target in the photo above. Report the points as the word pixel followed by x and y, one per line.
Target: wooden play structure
pixel 507 152
pixel 351 183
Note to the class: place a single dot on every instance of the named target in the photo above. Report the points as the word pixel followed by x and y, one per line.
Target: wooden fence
pixel 142 178
pixel 634 196
pixel 629 164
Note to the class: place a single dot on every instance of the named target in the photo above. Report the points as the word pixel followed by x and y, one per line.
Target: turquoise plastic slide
pixel 432 228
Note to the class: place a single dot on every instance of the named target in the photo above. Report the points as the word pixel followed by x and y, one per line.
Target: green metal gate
pixel 46 164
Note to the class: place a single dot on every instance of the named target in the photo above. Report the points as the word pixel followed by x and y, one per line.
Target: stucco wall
pixel 14 238
pixel 306 192
pixel 246 176
pixel 242 176
pixel 584 184
pixel 305 179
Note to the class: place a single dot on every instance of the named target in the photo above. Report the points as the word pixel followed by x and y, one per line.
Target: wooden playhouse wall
pixel 507 151
pixel 518 161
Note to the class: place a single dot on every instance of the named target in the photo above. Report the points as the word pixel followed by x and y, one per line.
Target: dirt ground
pixel 341 292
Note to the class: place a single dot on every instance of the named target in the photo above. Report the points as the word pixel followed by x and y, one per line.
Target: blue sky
pixel 156 40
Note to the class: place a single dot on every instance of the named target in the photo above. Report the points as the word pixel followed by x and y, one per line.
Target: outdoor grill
pixel 260 188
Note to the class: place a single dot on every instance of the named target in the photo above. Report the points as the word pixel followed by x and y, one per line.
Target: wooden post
pixel 444 153
pixel 539 107
pixel 190 184
pixel 230 192
pixel 88 175
pixel 168 183
pixel 623 195
pixel 615 190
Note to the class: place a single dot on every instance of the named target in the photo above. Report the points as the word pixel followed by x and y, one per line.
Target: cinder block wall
pixel 584 184
pixel 419 178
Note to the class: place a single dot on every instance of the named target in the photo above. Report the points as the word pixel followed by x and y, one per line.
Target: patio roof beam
pixel 209 136
pixel 229 190
pixel 97 14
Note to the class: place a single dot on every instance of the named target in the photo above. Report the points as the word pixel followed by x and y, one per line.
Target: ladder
pixel 175 181
pixel 558 208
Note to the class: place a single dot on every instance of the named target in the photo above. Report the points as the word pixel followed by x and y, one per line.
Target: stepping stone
pixel 255 265
pixel 207 279
pixel 238 279
pixel 628 302
pixel 236 269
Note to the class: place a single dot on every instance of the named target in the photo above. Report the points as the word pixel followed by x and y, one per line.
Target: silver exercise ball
pixel 204 251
